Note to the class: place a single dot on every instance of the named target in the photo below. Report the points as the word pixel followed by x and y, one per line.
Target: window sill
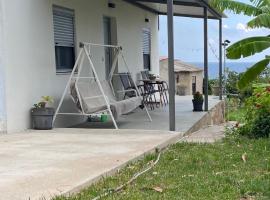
pixel 65 72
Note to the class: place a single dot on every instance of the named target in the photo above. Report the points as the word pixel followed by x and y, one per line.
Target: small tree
pixel 260 10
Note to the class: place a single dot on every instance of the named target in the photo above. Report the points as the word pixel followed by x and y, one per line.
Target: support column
pixel 220 60
pixel 171 65
pixel 205 59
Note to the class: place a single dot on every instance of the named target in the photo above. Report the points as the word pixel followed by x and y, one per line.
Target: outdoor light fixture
pixel 146 20
pixel 226 43
pixel 111 4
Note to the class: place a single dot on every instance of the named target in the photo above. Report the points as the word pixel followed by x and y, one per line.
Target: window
pixel 194 84
pixel 64 38
pixel 147 49
pixel 177 78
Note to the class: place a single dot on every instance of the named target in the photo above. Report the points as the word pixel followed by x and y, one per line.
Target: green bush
pixel 257 118
pixel 261 125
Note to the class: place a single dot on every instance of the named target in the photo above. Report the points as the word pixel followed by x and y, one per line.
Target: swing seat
pixel 94 102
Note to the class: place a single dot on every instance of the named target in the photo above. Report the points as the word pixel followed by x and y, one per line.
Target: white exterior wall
pixel 29 55
pixel 2 73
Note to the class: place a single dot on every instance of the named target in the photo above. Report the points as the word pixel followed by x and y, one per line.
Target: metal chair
pixel 128 87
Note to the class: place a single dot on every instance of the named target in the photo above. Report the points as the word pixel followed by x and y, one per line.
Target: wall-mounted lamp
pixel 146 20
pixel 111 4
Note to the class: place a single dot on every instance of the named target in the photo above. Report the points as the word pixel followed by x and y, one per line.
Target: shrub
pixel 257 118
pixel 198 97
pixel 261 125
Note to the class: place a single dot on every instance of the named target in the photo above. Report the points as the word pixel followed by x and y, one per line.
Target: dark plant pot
pixel 42 118
pixel 197 106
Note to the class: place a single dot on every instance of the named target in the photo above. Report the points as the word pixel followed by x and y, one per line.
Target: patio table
pixel 162 88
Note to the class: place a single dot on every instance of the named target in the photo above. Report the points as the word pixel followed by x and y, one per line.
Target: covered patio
pixel 183 8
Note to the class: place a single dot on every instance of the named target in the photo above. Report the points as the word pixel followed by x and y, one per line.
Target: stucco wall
pixel 30 62
pixel 199 81
pixel 184 87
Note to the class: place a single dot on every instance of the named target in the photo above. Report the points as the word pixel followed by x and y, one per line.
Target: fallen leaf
pixel 218 173
pixel 244 157
pixel 158 189
pixel 131 167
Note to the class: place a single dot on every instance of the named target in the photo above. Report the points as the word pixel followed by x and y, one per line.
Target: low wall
pixel 215 116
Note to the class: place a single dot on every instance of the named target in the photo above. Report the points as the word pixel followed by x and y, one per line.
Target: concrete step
pixel 209 134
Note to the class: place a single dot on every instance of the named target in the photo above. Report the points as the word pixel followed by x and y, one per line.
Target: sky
pixel 188 36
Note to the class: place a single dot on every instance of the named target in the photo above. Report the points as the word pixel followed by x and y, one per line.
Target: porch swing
pixel 94 96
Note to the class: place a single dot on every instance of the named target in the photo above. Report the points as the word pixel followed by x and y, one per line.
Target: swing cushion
pixel 93 100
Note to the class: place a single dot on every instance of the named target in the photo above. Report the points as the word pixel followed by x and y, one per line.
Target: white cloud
pixel 243 27
pixel 225 26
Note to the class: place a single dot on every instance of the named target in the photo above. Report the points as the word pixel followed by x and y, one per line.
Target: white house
pixel 39 41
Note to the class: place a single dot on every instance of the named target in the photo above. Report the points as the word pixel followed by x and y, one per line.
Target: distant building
pixel 188 78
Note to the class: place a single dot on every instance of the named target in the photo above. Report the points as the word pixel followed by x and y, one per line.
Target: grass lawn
pixel 234 111
pixel 196 171
pixel 236 115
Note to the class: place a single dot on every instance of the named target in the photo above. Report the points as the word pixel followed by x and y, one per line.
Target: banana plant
pixel 260 11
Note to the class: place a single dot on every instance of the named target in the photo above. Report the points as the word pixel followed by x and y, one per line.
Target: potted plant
pixel 197 102
pixel 42 114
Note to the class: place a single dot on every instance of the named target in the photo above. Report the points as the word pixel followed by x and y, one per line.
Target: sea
pixel 213 68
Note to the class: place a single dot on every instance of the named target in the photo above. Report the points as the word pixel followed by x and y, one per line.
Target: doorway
pixel 110 38
pixel 194 84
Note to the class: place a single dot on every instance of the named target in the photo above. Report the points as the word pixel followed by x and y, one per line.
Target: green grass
pixel 196 171
pixel 236 114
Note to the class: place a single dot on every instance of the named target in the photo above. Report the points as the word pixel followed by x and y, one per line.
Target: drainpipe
pixel 171 65
pixel 205 11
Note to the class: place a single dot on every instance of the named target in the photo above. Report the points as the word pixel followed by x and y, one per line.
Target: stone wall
pixel 215 116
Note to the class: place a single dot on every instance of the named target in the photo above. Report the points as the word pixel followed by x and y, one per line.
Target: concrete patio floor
pixel 48 163
pixel 138 119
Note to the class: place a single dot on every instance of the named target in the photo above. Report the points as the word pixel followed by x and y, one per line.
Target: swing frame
pixel 85 51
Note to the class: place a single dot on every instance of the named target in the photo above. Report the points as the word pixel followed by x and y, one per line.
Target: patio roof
pixel 184 8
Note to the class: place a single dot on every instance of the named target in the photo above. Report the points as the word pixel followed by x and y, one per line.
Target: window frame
pixel 148 31
pixel 65 9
